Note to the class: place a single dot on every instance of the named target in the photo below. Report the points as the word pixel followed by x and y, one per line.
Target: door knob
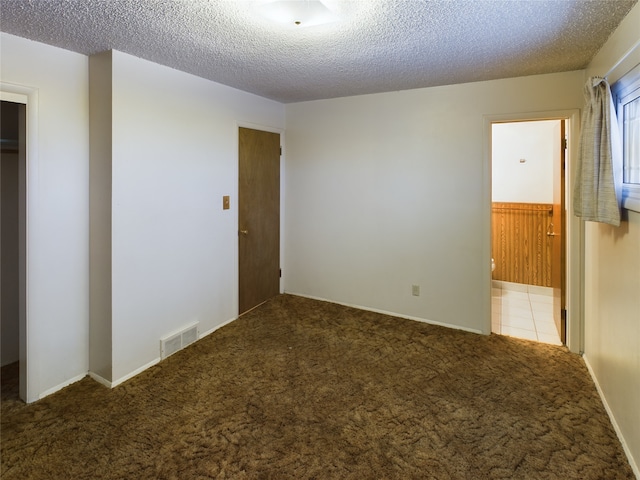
pixel 244 232
pixel 550 231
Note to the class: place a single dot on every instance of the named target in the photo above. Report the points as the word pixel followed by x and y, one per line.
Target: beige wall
pixel 532 181
pixel 391 190
pixel 612 278
pixel 57 272
pixel 100 121
pixel 174 250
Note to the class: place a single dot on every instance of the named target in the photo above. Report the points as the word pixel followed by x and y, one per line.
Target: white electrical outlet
pixel 415 290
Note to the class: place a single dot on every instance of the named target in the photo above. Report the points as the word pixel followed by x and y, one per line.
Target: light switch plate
pixel 225 202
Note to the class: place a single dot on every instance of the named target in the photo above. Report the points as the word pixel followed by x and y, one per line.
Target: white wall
pixel 58 214
pixel 100 215
pixel 538 143
pixel 612 277
pixel 386 191
pixel 174 249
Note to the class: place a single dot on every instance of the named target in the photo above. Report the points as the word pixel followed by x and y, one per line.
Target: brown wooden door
pixel 258 217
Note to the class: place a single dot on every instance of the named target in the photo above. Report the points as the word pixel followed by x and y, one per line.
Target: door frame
pixel 574 231
pixel 281 132
pixel 27 96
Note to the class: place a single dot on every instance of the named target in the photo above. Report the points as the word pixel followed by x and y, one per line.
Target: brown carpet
pixel 301 389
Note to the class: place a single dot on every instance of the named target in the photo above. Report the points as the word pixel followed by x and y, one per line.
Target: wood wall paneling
pixel 521 248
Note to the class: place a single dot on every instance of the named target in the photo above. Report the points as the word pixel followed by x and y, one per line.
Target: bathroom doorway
pixel 528 230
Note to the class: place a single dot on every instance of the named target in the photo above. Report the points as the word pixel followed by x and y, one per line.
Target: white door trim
pixel 29 97
pixel 574 227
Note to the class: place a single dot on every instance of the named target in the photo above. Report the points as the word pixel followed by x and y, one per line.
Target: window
pixel 627 96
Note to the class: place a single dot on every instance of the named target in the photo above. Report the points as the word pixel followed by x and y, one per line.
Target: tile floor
pixel 523 311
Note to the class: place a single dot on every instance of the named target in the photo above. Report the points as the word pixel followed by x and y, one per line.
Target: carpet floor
pixel 303 389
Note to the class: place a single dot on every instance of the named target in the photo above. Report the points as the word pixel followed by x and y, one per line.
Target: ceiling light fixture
pixel 297 13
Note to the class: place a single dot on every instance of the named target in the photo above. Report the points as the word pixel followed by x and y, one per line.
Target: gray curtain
pixel 597 188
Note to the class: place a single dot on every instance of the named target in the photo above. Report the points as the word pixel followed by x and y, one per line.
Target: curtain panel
pixel 598 184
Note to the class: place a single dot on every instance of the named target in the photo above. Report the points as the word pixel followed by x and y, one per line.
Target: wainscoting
pixel 521 248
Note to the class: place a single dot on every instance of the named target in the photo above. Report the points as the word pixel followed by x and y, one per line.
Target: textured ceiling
pixel 377 46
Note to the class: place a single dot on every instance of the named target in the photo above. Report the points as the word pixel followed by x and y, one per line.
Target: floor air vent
pixel 177 341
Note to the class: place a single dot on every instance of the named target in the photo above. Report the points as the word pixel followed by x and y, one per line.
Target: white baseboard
pixel 632 462
pixel 153 362
pixel 61 386
pixel 209 332
pixel 392 314
pixel 100 379
pixel 132 374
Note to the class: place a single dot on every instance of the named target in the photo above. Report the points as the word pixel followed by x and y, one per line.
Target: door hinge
pixel 280 151
pixel 563 314
pixel 280 272
pixel 564 143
